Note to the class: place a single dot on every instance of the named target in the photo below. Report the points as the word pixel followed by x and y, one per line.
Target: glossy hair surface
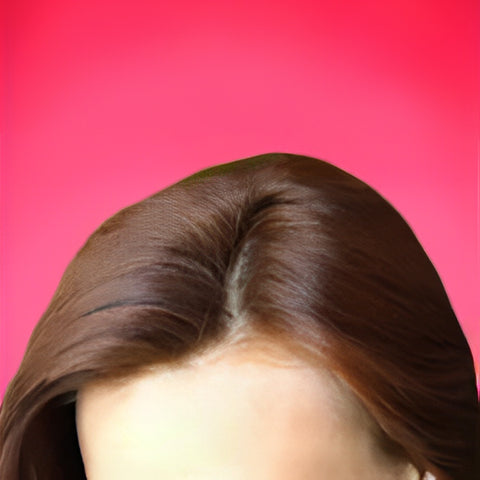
pixel 282 246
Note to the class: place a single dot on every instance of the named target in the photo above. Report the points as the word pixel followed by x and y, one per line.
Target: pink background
pixel 106 102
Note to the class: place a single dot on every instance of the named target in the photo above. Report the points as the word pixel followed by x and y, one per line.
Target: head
pixel 276 274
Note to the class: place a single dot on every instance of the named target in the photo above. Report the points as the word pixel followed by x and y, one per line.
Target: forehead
pixel 233 417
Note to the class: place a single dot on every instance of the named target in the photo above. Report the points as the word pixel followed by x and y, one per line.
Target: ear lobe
pixel 410 472
pixel 413 474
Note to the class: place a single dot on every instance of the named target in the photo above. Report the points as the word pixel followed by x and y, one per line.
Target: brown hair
pixel 282 245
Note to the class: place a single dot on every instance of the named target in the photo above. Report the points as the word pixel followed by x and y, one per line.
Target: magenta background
pixel 106 102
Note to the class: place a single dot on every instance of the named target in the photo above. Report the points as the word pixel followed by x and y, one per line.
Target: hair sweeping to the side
pixel 280 245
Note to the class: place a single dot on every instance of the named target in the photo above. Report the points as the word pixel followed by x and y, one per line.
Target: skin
pixel 237 415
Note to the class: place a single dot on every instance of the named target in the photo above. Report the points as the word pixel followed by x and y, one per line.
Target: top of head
pixel 287 247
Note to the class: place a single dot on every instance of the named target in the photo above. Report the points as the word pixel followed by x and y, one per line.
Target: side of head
pixel 279 246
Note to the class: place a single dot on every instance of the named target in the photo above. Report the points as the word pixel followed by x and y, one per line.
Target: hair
pixel 282 246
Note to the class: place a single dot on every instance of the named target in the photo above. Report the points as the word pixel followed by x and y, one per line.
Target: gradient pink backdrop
pixel 106 102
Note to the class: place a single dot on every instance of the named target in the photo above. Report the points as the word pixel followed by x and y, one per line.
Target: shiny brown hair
pixel 279 245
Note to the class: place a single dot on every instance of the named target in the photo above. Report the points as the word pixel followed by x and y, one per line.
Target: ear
pixel 413 474
pixel 410 472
